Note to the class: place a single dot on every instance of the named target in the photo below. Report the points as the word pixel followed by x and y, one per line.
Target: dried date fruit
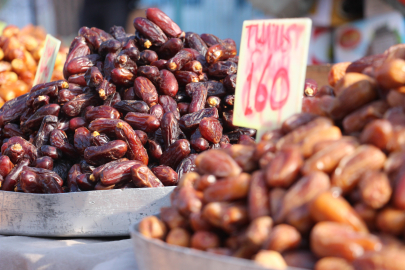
pixel 168 84
pixel 166 175
pixel 144 89
pixel 175 153
pixel 150 31
pixel 117 172
pixel 186 165
pixel 339 240
pixel 209 163
pixel 194 41
pixel 163 21
pixel 330 207
pixel 284 168
pixel 142 176
pixel 152 227
pixel 211 129
pixel 136 151
pixel 170 48
pixel 143 121
pixel 97 155
pixel 351 167
pixel 11 179
pixel 170 129
pixel 178 61
pixel 147 57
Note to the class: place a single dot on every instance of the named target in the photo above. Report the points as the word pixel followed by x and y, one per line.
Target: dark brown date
pixel 169 105
pixel 143 121
pixel 168 84
pixel 77 79
pixel 150 31
pixel 77 122
pixel 157 111
pixel 147 57
pixel 109 46
pixel 132 106
pixel 136 151
pixel 49 151
pixel 36 119
pixel 222 69
pixel 11 179
pixel 84 183
pixel 211 129
pixel 196 67
pixel 170 129
pixel 118 172
pixel 41 101
pixel 93 77
pixel 44 163
pixel 142 176
pixel 59 139
pixel 186 77
pixel 220 52
pixel 29 182
pixel 178 61
pixel 11 130
pixel 176 152
pixel 15 152
pixel 154 149
pixel 186 165
pixel 82 139
pixel 102 111
pixel 78 48
pixel 75 106
pixel 104 125
pixel 97 155
pixel 166 175
pixel 150 72
pixel 160 64
pixel 145 90
pixel 198 143
pixel 82 64
pixel 194 41
pixel 5 166
pixel 49 123
pixel 170 48
pixel 192 120
pixel 198 98
pixel 98 139
pixel 31 152
pixel 163 21
pixel 183 108
pixel 210 39
pixel 122 77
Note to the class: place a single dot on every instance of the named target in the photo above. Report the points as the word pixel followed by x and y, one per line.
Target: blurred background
pixel 343 30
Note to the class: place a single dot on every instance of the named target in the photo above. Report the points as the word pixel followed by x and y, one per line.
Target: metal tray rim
pixel 136 236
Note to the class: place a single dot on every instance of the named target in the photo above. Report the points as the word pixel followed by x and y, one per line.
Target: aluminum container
pixel 156 255
pixel 80 214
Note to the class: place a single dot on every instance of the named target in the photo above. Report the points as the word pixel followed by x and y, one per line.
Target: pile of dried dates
pixel 132 112
pixel 325 191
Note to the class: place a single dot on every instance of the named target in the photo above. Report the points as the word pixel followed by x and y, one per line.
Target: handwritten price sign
pixel 271 72
pixel 47 62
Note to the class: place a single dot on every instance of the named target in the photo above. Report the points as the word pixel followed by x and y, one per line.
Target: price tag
pixel 47 61
pixel 271 72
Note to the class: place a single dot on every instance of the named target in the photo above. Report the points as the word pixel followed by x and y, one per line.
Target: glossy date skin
pixel 98 155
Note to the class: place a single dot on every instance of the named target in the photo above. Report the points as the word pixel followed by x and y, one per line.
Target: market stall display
pixel 327 189
pixel 132 112
pixel 20 52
